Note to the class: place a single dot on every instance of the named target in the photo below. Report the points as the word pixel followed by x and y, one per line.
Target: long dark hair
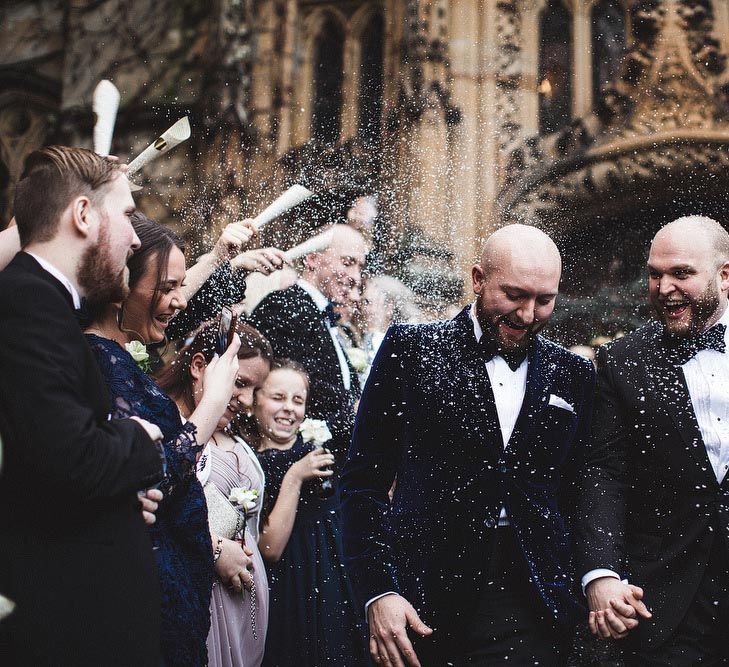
pixel 157 242
pixel 175 378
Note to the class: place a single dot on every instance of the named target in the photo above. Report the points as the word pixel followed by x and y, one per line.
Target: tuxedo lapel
pixel 672 391
pixel 536 395
pixel 476 392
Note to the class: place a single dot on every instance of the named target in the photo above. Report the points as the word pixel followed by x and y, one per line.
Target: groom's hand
pixel 615 607
pixel 388 618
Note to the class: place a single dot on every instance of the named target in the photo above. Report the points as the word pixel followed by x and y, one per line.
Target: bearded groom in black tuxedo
pixel 656 508
pixel 483 427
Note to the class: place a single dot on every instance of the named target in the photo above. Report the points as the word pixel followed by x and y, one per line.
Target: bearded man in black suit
pixel 656 508
pixel 300 324
pixel 483 427
pixel 75 556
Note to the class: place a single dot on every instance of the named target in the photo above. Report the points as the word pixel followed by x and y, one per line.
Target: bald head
pixel 697 229
pixel 522 244
pixel 516 284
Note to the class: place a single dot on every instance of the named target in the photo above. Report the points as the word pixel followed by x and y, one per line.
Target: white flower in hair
pixel 245 498
pixel 316 431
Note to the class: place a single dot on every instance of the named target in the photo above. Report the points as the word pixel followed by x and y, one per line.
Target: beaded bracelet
pixel 218 550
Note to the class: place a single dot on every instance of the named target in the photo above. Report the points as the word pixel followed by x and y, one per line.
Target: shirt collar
pixel 319 299
pixel 47 266
pixel 477 330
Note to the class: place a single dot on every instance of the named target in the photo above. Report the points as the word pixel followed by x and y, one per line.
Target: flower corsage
pixel 246 499
pixel 138 352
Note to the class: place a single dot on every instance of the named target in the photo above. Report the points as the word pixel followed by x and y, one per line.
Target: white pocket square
pixel 558 402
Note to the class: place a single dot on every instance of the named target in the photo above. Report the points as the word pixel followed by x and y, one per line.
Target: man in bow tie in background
pixel 300 324
pixel 483 426
pixel 656 509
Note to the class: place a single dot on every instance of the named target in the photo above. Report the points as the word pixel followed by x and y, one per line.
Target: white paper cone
pixel 105 105
pixel 178 133
pixel 293 196
pixel 314 244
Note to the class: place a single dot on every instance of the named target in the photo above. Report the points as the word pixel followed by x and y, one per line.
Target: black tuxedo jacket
pixel 74 551
pixel 428 421
pixel 653 506
pixel 294 325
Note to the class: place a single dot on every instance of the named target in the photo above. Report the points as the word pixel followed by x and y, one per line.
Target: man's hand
pixel 150 500
pixel 234 239
pixel 388 617
pixel 263 260
pixel 153 431
pixel 614 607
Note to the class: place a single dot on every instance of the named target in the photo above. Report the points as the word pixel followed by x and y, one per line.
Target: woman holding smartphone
pixel 233 482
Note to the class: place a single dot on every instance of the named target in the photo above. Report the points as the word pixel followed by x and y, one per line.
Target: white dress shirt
pixel 321 303
pixel 707 378
pixel 509 388
pixel 47 266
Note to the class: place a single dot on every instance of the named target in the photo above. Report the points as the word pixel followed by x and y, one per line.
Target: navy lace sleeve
pixel 134 394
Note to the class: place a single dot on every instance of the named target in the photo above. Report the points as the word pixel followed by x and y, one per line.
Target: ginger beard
pixel 98 275
pixel 685 316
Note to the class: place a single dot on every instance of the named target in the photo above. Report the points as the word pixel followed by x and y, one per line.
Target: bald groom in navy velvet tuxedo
pixel 483 427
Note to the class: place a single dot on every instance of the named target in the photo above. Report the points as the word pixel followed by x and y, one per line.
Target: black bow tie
pixel 514 356
pixel 330 315
pixel 684 349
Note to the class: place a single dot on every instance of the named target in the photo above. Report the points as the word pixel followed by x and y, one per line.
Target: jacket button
pixel 489 523
pixel 503 469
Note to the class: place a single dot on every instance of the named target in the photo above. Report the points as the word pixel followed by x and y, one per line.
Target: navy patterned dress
pixel 180 536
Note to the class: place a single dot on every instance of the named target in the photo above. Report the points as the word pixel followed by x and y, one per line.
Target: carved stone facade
pixel 456 92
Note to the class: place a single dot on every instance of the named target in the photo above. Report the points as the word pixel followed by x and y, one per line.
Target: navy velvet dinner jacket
pixel 428 422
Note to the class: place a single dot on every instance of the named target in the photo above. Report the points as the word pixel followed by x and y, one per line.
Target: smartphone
pixel 226 329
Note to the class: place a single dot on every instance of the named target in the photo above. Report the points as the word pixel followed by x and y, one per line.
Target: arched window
pixel 608 43
pixel 369 117
pixel 328 75
pixel 555 68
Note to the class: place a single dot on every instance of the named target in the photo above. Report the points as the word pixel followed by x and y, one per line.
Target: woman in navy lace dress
pixel 180 536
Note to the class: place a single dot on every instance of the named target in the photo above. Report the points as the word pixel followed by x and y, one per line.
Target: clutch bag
pixel 225 520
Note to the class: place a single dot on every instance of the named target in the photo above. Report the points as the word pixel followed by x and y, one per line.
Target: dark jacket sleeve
pixel 368 474
pixel 601 503
pixel 223 288
pixel 49 425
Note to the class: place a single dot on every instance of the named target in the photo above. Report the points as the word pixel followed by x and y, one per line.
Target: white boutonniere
pixel 138 352
pixel 316 431
pixel 244 498
pixel 358 358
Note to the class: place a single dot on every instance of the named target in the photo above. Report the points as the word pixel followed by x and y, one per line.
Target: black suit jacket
pixel 294 325
pixel 428 420
pixel 74 551
pixel 653 506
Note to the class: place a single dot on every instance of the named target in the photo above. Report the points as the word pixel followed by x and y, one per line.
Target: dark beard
pixel 97 276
